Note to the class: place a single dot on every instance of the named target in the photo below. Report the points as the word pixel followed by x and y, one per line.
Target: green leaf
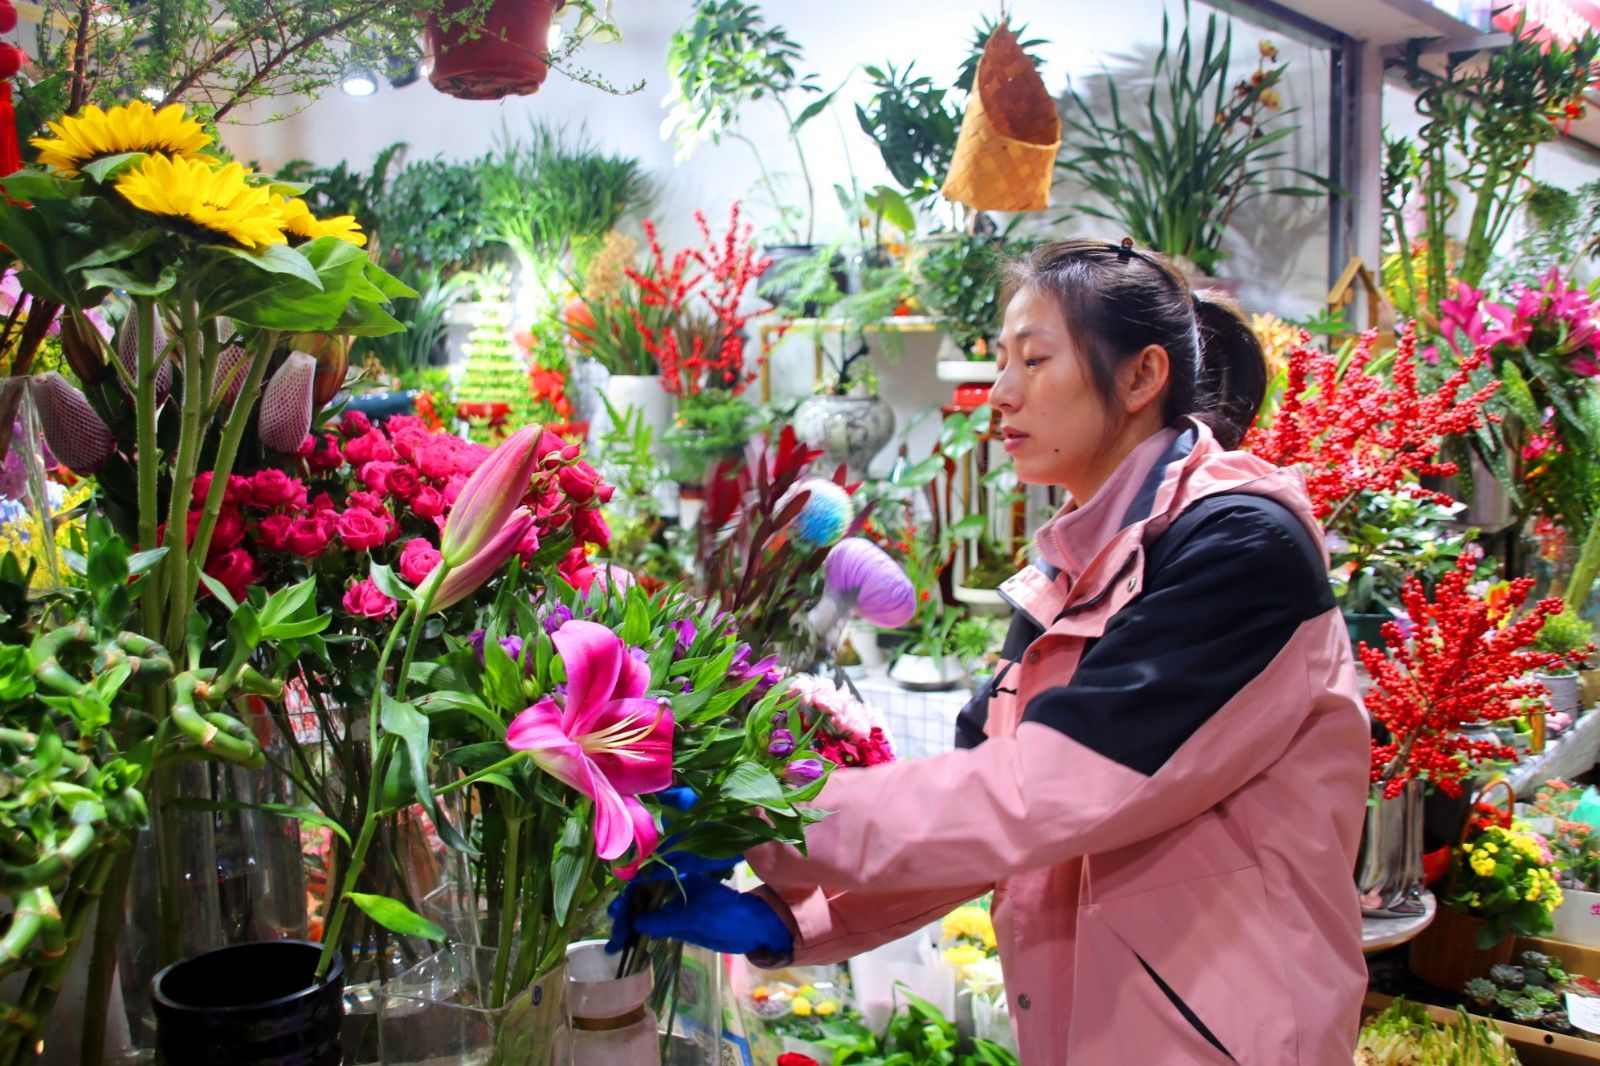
pixel 276 259
pixel 219 590
pixel 286 603
pixel 504 687
pixel 389 584
pixel 139 562
pixel 635 628
pixel 396 916
pixel 754 784
pixel 33 186
pixel 112 278
pixel 970 526
pixel 571 860
pixel 391 287
pixel 917 475
pixel 106 167
pixel 309 815
pixel 129 244
pixel 244 625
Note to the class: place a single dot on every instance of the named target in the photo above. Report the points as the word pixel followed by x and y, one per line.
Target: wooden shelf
pixel 1535 1047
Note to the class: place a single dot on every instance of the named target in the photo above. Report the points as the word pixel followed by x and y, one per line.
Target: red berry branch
pixel 703 346
pixel 1462 664
pixel 1353 431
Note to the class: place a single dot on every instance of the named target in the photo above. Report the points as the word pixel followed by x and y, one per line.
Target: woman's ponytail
pixel 1233 368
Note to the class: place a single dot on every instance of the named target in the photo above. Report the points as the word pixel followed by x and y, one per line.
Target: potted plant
pixel 1172 174
pixel 958 280
pixel 1563 813
pixel 712 424
pixel 724 59
pixel 1569 637
pixel 489 49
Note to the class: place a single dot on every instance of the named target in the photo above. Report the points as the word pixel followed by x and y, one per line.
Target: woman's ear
pixel 1144 378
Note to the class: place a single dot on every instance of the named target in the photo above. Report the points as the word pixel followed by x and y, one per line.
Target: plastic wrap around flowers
pixel 860 577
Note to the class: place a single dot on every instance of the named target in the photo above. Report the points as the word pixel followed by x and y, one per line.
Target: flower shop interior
pixel 591 463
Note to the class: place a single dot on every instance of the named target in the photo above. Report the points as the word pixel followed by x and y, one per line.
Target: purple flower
pixel 512 645
pixel 782 743
pixel 686 631
pixel 742 669
pixel 559 616
pixel 803 772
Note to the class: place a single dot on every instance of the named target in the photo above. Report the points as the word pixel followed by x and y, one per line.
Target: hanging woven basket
pixel 1005 155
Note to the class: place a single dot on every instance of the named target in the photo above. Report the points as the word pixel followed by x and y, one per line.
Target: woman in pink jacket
pixel 1164 783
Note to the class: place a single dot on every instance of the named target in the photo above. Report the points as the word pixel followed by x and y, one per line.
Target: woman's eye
pixel 1031 363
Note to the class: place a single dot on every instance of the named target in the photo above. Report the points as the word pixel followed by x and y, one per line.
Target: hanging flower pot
pixel 506 56
pixel 250 1003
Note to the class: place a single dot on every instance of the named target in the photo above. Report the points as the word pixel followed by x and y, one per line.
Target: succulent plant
pixel 1507 996
pixel 1557 1020
pixel 1535 960
pixel 1480 991
pixel 1508 976
pixel 1545 997
pixel 1534 977
pixel 1526 1011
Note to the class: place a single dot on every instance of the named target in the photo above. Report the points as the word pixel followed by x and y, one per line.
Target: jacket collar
pixel 1070 541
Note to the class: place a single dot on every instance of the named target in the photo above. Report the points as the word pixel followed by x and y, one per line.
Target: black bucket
pixel 251 1004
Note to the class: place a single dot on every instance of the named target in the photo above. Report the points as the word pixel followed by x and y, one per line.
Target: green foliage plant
pixel 1567 633
pixel 1485 114
pixel 1173 170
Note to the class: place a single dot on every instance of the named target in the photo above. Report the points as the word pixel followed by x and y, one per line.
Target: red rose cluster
pixel 854 750
pixel 1462 664
pixel 372 487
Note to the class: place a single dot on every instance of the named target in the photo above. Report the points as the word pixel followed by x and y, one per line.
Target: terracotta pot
pixel 506 57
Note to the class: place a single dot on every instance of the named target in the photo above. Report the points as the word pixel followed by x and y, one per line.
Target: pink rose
pixel 273 488
pixel 327 455
pixel 530 543
pixel 322 502
pixel 548 444
pixel 406 441
pixel 452 488
pixel 238 490
pixel 371 446
pixel 355 424
pixel 202 487
pixel 417 560
pixel 402 482
pixel 362 530
pixel 366 501
pixel 428 502
pixel 366 600
pixel 406 424
pixel 307 446
pixel 579 481
pixel 576 571
pixel 229 530
pixel 436 457
pixel 589 526
pixel 272 532
pixel 375 476
pixel 470 456
pixel 235 570
pixel 307 537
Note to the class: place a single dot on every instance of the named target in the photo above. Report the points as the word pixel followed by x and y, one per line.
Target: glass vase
pixel 1389 868
pixel 439 1013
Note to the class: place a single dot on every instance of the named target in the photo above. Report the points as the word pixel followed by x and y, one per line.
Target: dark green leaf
pixel 396 916
pixel 572 858
pixel 389 584
pixel 276 259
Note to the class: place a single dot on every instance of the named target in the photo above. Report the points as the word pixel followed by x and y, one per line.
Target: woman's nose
pixel 1007 392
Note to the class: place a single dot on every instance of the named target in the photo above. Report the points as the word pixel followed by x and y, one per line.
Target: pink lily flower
pixel 490 497
pixel 1511 328
pixel 1464 313
pixel 605 739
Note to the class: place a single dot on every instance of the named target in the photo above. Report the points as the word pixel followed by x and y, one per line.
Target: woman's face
pixel 1052 421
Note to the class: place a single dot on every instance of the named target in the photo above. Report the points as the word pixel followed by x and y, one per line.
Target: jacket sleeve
pixel 1194 688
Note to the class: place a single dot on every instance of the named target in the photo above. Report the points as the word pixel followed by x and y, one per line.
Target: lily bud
pixel 286 404
pixel 72 427
pixel 489 497
pixel 128 354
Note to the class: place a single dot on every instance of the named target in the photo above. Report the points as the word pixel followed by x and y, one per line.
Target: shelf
pixel 898 324
pixel 1381 934
pixel 1535 1047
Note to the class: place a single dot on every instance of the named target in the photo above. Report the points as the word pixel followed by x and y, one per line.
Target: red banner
pixel 1560 20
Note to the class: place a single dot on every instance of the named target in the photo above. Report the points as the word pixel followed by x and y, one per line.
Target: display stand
pixel 1381 934
pixel 1534 1047
pixel 1572 753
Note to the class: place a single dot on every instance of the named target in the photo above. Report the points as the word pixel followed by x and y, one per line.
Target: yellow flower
pixel 298 221
pixel 826 1007
pixel 801 1006
pixel 1268 49
pixel 219 200
pixel 135 127
pixel 970 922
pixel 1491 848
pixel 1271 100
pixel 1482 865
pixel 963 955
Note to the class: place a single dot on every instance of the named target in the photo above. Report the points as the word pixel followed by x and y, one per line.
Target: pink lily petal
pixel 613 823
pixel 630 741
pixel 464 580
pixel 490 496
pixel 645 837
pixel 635 679
pixel 593 657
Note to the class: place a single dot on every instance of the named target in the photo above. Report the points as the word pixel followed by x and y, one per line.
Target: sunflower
pixel 219 200
pixel 136 127
pixel 298 221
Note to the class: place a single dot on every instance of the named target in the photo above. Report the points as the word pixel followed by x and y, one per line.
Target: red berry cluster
pixel 1461 664
pixel 721 272
pixel 1354 431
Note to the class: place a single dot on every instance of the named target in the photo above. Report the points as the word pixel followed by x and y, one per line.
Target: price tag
pixel 1584 1012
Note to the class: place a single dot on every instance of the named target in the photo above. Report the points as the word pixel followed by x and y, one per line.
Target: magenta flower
pixel 487 523
pixel 1465 313
pixel 605 739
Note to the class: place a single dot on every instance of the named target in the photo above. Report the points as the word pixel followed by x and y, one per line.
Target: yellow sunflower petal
pixel 298 221
pixel 136 127
pixel 219 199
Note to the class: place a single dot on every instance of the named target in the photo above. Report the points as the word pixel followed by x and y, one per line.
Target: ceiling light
pixel 360 83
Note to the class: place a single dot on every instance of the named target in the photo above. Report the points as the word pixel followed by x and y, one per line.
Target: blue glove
pixel 671 867
pixel 704 911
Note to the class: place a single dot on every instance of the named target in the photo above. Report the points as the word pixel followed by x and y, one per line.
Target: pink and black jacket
pixel 1163 786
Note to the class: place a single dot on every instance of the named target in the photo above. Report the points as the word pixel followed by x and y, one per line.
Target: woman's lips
pixel 1011 439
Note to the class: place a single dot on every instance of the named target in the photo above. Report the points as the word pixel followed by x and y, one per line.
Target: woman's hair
pixel 1116 300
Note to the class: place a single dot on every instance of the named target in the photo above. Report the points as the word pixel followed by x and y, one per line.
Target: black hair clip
pixel 1126 249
